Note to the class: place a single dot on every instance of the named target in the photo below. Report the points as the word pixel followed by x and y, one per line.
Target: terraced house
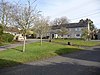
pixel 74 30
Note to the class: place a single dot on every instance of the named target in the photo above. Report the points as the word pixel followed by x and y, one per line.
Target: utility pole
pixel 88 28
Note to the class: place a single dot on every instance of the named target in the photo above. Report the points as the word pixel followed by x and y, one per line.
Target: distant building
pixel 14 31
pixel 11 30
pixel 98 34
pixel 74 29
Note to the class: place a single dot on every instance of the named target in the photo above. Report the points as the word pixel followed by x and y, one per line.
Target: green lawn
pixel 2 44
pixel 6 43
pixel 78 42
pixel 33 52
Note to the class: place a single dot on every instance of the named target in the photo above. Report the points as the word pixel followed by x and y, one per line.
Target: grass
pixel 33 52
pixel 78 42
pixel 3 44
pixel 6 43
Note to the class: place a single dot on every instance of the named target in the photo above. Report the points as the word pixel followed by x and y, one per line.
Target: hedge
pixel 7 37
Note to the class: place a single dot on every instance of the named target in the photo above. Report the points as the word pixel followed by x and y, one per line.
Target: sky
pixel 74 10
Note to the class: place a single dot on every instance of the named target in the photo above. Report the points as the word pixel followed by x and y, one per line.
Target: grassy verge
pixel 7 43
pixel 78 42
pixel 3 44
pixel 33 52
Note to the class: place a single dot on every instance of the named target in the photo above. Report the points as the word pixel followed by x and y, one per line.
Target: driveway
pixel 18 44
pixel 85 62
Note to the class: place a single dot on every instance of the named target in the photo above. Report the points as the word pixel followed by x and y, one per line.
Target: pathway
pixel 17 44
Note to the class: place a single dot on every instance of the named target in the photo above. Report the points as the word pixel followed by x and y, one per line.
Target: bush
pixel 7 37
pixel 1 29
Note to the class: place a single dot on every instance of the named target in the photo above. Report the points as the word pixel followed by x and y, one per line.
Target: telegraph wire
pixel 92 14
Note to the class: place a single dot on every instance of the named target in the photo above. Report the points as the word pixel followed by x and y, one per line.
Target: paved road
pixel 17 44
pixel 78 63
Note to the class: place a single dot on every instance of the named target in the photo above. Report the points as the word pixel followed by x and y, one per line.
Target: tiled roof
pixel 70 25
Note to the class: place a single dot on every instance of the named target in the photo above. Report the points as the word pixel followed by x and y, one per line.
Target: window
pixel 77 29
pixel 68 35
pixel 78 35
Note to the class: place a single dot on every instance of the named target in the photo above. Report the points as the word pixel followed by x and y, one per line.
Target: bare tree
pixel 60 21
pixel 4 13
pixel 42 26
pixel 24 17
pixel 85 34
pixel 63 31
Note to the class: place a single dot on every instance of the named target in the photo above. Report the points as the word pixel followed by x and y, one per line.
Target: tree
pixel 63 31
pixel 85 34
pixel 89 32
pixel 23 17
pixel 1 29
pixel 91 28
pixel 4 13
pixel 82 21
pixel 41 26
pixel 1 32
pixel 91 25
pixel 60 21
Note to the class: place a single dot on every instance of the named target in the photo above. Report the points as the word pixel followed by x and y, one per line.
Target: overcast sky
pixel 74 10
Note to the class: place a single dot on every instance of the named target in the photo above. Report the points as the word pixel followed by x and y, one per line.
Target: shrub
pixel 1 29
pixel 7 37
pixel 1 32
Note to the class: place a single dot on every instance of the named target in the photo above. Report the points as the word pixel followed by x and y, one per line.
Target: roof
pixel 11 29
pixel 70 25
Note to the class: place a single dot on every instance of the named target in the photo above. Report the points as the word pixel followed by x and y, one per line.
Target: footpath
pixel 17 44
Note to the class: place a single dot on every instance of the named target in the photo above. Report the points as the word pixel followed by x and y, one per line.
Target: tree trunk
pixel 24 42
pixel 41 39
pixel 63 37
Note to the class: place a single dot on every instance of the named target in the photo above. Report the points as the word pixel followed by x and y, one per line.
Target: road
pixel 85 62
pixel 18 44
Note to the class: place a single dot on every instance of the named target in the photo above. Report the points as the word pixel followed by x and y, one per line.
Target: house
pixel 98 34
pixel 11 30
pixel 14 31
pixel 74 29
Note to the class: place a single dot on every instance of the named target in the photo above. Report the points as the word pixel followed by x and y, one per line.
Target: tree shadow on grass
pixel 8 63
pixel 63 51
pixel 20 50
